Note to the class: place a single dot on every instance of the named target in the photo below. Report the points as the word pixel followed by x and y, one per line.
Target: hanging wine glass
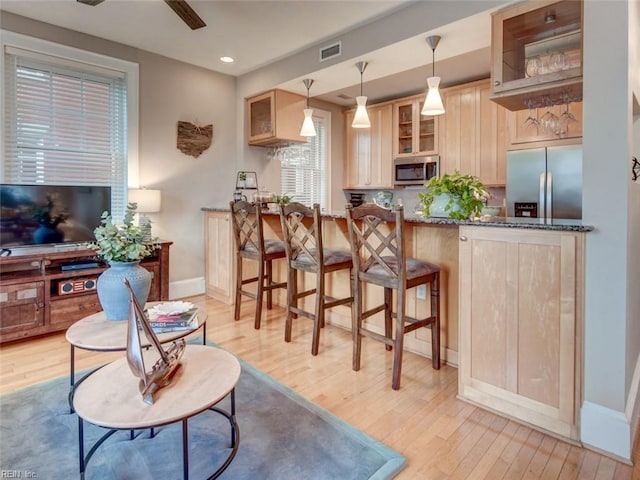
pixel 531 120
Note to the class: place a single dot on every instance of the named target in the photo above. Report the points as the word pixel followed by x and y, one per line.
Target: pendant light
pixel 308 129
pixel 433 102
pixel 361 118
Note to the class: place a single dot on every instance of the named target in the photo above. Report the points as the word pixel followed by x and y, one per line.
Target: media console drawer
pixel 72 308
pixel 21 305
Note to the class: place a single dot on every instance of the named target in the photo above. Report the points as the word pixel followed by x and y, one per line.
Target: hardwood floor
pixel 440 436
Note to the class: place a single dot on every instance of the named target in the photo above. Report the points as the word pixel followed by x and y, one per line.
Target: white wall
pixel 171 91
pixel 608 204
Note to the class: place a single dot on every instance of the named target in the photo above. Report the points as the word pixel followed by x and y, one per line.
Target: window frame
pixel 325 116
pixel 64 52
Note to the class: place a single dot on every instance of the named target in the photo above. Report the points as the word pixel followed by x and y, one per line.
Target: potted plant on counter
pixel 453 195
pixel 122 246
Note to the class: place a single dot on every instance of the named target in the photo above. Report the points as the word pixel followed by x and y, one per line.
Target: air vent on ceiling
pixel 331 51
pixel 344 97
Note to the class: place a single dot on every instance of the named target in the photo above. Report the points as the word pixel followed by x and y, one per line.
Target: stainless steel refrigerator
pixel 545 183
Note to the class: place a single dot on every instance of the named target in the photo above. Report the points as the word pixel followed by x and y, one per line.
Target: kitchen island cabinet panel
pixel 520 324
pixel 219 256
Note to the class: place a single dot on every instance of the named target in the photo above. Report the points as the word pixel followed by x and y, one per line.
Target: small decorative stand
pixel 244 181
pixel 164 369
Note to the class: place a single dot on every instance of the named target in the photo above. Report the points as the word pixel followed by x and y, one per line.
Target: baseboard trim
pixel 633 405
pixel 186 288
pixel 605 430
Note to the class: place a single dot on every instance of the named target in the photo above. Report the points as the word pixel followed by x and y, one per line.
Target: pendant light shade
pixel 433 102
pixel 361 117
pixel 308 129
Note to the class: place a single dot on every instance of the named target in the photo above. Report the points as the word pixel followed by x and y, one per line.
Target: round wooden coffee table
pixel 109 397
pixel 96 333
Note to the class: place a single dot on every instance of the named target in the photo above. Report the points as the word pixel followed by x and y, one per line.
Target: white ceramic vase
pixel 114 295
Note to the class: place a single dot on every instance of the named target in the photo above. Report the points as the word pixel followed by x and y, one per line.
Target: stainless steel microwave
pixel 415 170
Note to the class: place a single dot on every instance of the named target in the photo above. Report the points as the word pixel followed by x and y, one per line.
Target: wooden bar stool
pixel 251 245
pixel 379 258
pixel 302 229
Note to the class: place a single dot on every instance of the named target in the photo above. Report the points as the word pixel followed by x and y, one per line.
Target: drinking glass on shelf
pixel 557 61
pixel 532 66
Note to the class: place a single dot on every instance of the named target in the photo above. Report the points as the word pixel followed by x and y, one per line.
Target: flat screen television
pixel 50 214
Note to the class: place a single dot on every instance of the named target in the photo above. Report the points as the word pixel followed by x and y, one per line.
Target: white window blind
pixel 303 168
pixel 65 124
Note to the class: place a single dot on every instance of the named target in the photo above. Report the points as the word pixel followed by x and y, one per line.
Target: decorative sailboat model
pixel 167 365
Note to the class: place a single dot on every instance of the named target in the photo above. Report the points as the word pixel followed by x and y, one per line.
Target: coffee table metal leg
pixel 185 449
pixel 81 446
pixel 72 375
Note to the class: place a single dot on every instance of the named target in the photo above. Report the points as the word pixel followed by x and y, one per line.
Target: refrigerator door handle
pixel 542 204
pixel 549 203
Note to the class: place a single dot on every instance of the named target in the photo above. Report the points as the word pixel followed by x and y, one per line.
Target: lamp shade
pixel 148 200
pixel 361 117
pixel 308 129
pixel 433 102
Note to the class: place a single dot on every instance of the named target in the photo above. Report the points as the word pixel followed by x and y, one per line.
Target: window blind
pixel 302 168
pixel 65 124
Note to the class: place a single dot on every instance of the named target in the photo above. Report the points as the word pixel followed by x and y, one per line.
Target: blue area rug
pixel 282 436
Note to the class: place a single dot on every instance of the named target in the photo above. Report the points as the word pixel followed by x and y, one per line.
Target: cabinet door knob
pixel 496 82
pixel 463 238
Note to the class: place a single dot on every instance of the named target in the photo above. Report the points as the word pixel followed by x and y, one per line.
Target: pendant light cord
pixel 433 62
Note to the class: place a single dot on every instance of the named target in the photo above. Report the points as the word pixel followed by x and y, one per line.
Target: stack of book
pixel 176 322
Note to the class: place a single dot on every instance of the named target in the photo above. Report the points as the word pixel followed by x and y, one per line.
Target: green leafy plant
pixel 49 214
pixel 284 198
pixel 465 190
pixel 126 242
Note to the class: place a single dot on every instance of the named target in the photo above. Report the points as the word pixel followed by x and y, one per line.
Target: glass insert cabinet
pixel 537 51
pixel 414 134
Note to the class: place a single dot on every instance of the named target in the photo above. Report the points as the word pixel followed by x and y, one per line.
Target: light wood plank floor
pixel 441 436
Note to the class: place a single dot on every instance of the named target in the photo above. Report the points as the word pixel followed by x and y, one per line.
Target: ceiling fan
pixel 181 7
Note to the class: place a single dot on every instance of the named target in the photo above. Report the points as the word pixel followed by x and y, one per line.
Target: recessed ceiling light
pixel 227 59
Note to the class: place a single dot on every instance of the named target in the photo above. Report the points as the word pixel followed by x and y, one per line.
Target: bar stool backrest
pixel 377 244
pixel 302 230
pixel 247 227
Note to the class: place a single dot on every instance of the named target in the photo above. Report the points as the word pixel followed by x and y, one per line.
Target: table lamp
pixel 148 201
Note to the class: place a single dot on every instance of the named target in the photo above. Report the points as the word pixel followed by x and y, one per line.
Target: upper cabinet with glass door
pixel 536 53
pixel 414 134
pixel 274 118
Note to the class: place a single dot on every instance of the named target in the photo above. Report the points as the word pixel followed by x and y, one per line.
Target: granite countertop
pixel 505 222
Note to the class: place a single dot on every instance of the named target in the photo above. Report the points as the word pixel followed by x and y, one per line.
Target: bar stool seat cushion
pixel 415 268
pixel 331 256
pixel 270 246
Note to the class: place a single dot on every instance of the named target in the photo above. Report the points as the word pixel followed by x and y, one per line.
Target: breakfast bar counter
pixel 511 305
pixel 487 221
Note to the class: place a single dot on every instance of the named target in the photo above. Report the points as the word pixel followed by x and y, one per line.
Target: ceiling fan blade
pixel 93 3
pixel 185 12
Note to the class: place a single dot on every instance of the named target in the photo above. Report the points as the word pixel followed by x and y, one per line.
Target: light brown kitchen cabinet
pixel 219 256
pixel 536 50
pixel 472 133
pixel 522 131
pixel 275 118
pixel 368 156
pixel 414 134
pixel 521 324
